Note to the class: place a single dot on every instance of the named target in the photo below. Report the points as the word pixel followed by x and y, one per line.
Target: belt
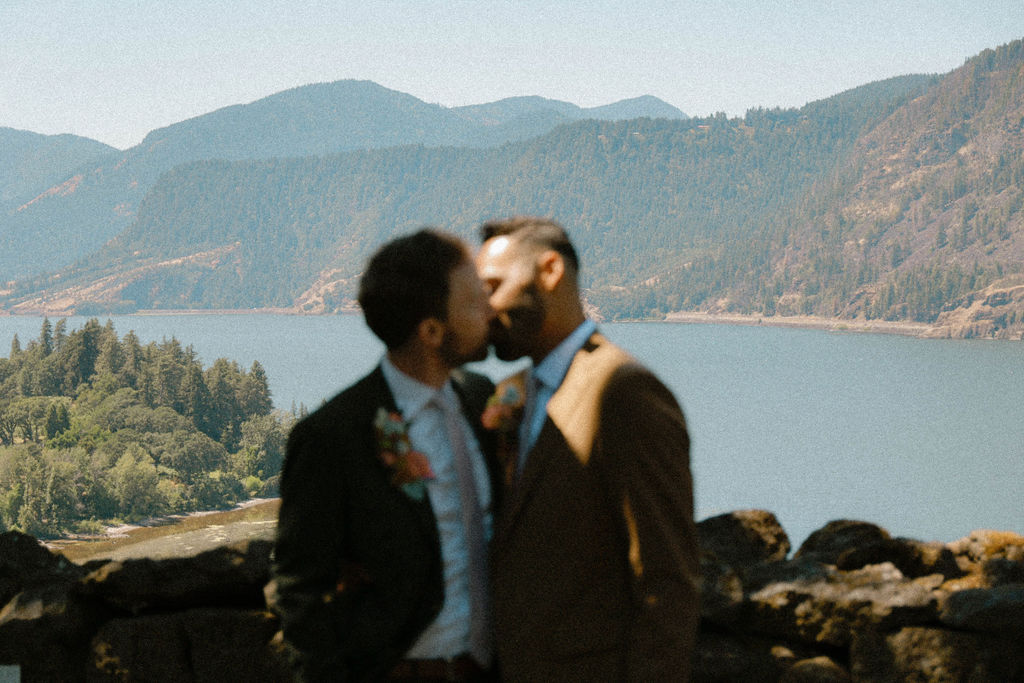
pixel 460 668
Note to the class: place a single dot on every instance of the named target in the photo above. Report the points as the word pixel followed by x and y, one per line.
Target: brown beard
pixel 525 318
pixel 451 355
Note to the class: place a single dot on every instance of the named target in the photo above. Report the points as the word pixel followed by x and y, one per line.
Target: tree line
pixel 96 429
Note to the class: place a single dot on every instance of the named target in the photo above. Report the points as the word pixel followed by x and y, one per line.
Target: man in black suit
pixel 380 561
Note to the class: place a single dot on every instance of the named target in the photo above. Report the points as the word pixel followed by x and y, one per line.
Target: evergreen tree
pixel 255 391
pixel 57 419
pixel 59 334
pixel 196 401
pixel 132 352
pixel 46 338
pixel 111 358
pixel 222 417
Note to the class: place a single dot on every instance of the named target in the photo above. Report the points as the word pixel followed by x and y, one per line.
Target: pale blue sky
pixel 113 70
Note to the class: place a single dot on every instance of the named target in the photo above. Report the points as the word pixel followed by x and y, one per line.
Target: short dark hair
pixel 543 233
pixel 406 282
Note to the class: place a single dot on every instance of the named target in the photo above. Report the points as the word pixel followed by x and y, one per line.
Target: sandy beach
pixel 175 535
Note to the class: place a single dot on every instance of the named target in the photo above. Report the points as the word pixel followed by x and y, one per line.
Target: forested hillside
pixel 78 208
pixel 95 429
pixel 927 211
pixel 922 220
pixel 642 198
pixel 898 200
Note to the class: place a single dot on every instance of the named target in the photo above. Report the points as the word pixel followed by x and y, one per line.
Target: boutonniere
pixel 409 469
pixel 502 415
pixel 504 409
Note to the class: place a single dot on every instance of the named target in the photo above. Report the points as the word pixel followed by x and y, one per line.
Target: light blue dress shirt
pixel 449 634
pixel 544 380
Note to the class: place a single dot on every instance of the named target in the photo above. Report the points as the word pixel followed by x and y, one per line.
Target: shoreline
pixel 124 530
pixel 810 322
pixel 903 328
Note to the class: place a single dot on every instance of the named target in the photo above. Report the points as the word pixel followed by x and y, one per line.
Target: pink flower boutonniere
pixel 502 415
pixel 504 409
pixel 409 469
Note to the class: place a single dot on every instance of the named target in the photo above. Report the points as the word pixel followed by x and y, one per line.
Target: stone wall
pixel 852 603
pixel 199 618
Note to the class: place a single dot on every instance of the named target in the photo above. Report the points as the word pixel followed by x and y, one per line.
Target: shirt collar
pixel 551 371
pixel 410 394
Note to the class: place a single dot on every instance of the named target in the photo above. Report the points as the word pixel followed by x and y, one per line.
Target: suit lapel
pixel 572 411
pixel 378 395
pixel 570 423
pixel 472 405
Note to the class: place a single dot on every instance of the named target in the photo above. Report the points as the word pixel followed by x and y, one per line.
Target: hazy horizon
pixel 114 70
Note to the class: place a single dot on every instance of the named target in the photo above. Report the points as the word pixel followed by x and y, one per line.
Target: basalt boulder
pixel 744 537
pixel 229 576
pixel 27 563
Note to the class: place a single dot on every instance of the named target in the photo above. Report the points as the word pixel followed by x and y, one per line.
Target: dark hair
pixel 542 233
pixel 406 282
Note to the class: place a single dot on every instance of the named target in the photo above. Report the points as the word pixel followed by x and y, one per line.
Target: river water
pixel 924 437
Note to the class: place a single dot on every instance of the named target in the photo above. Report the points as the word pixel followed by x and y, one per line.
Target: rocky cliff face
pixel 852 604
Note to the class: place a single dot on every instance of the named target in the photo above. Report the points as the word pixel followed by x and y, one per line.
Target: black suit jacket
pixel 357 562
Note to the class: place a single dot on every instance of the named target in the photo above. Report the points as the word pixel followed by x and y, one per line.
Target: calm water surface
pixel 924 437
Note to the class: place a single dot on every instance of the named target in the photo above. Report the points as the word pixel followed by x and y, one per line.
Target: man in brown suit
pixel 594 565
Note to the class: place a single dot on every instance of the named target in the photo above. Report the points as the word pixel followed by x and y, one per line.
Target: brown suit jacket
pixel 595 551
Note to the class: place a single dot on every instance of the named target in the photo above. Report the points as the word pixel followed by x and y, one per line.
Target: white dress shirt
pixel 448 635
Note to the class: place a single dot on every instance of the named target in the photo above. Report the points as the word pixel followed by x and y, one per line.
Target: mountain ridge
pixel 395 189
pixel 65 224
pixel 898 200
pixel 30 160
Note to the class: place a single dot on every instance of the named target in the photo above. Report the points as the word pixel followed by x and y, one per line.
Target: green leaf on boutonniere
pixel 409 469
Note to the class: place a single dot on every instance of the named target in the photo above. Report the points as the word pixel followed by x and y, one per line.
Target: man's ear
pixel 430 332
pixel 550 269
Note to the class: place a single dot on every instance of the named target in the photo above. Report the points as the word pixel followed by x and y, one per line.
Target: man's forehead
pixel 508 250
pixel 497 247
